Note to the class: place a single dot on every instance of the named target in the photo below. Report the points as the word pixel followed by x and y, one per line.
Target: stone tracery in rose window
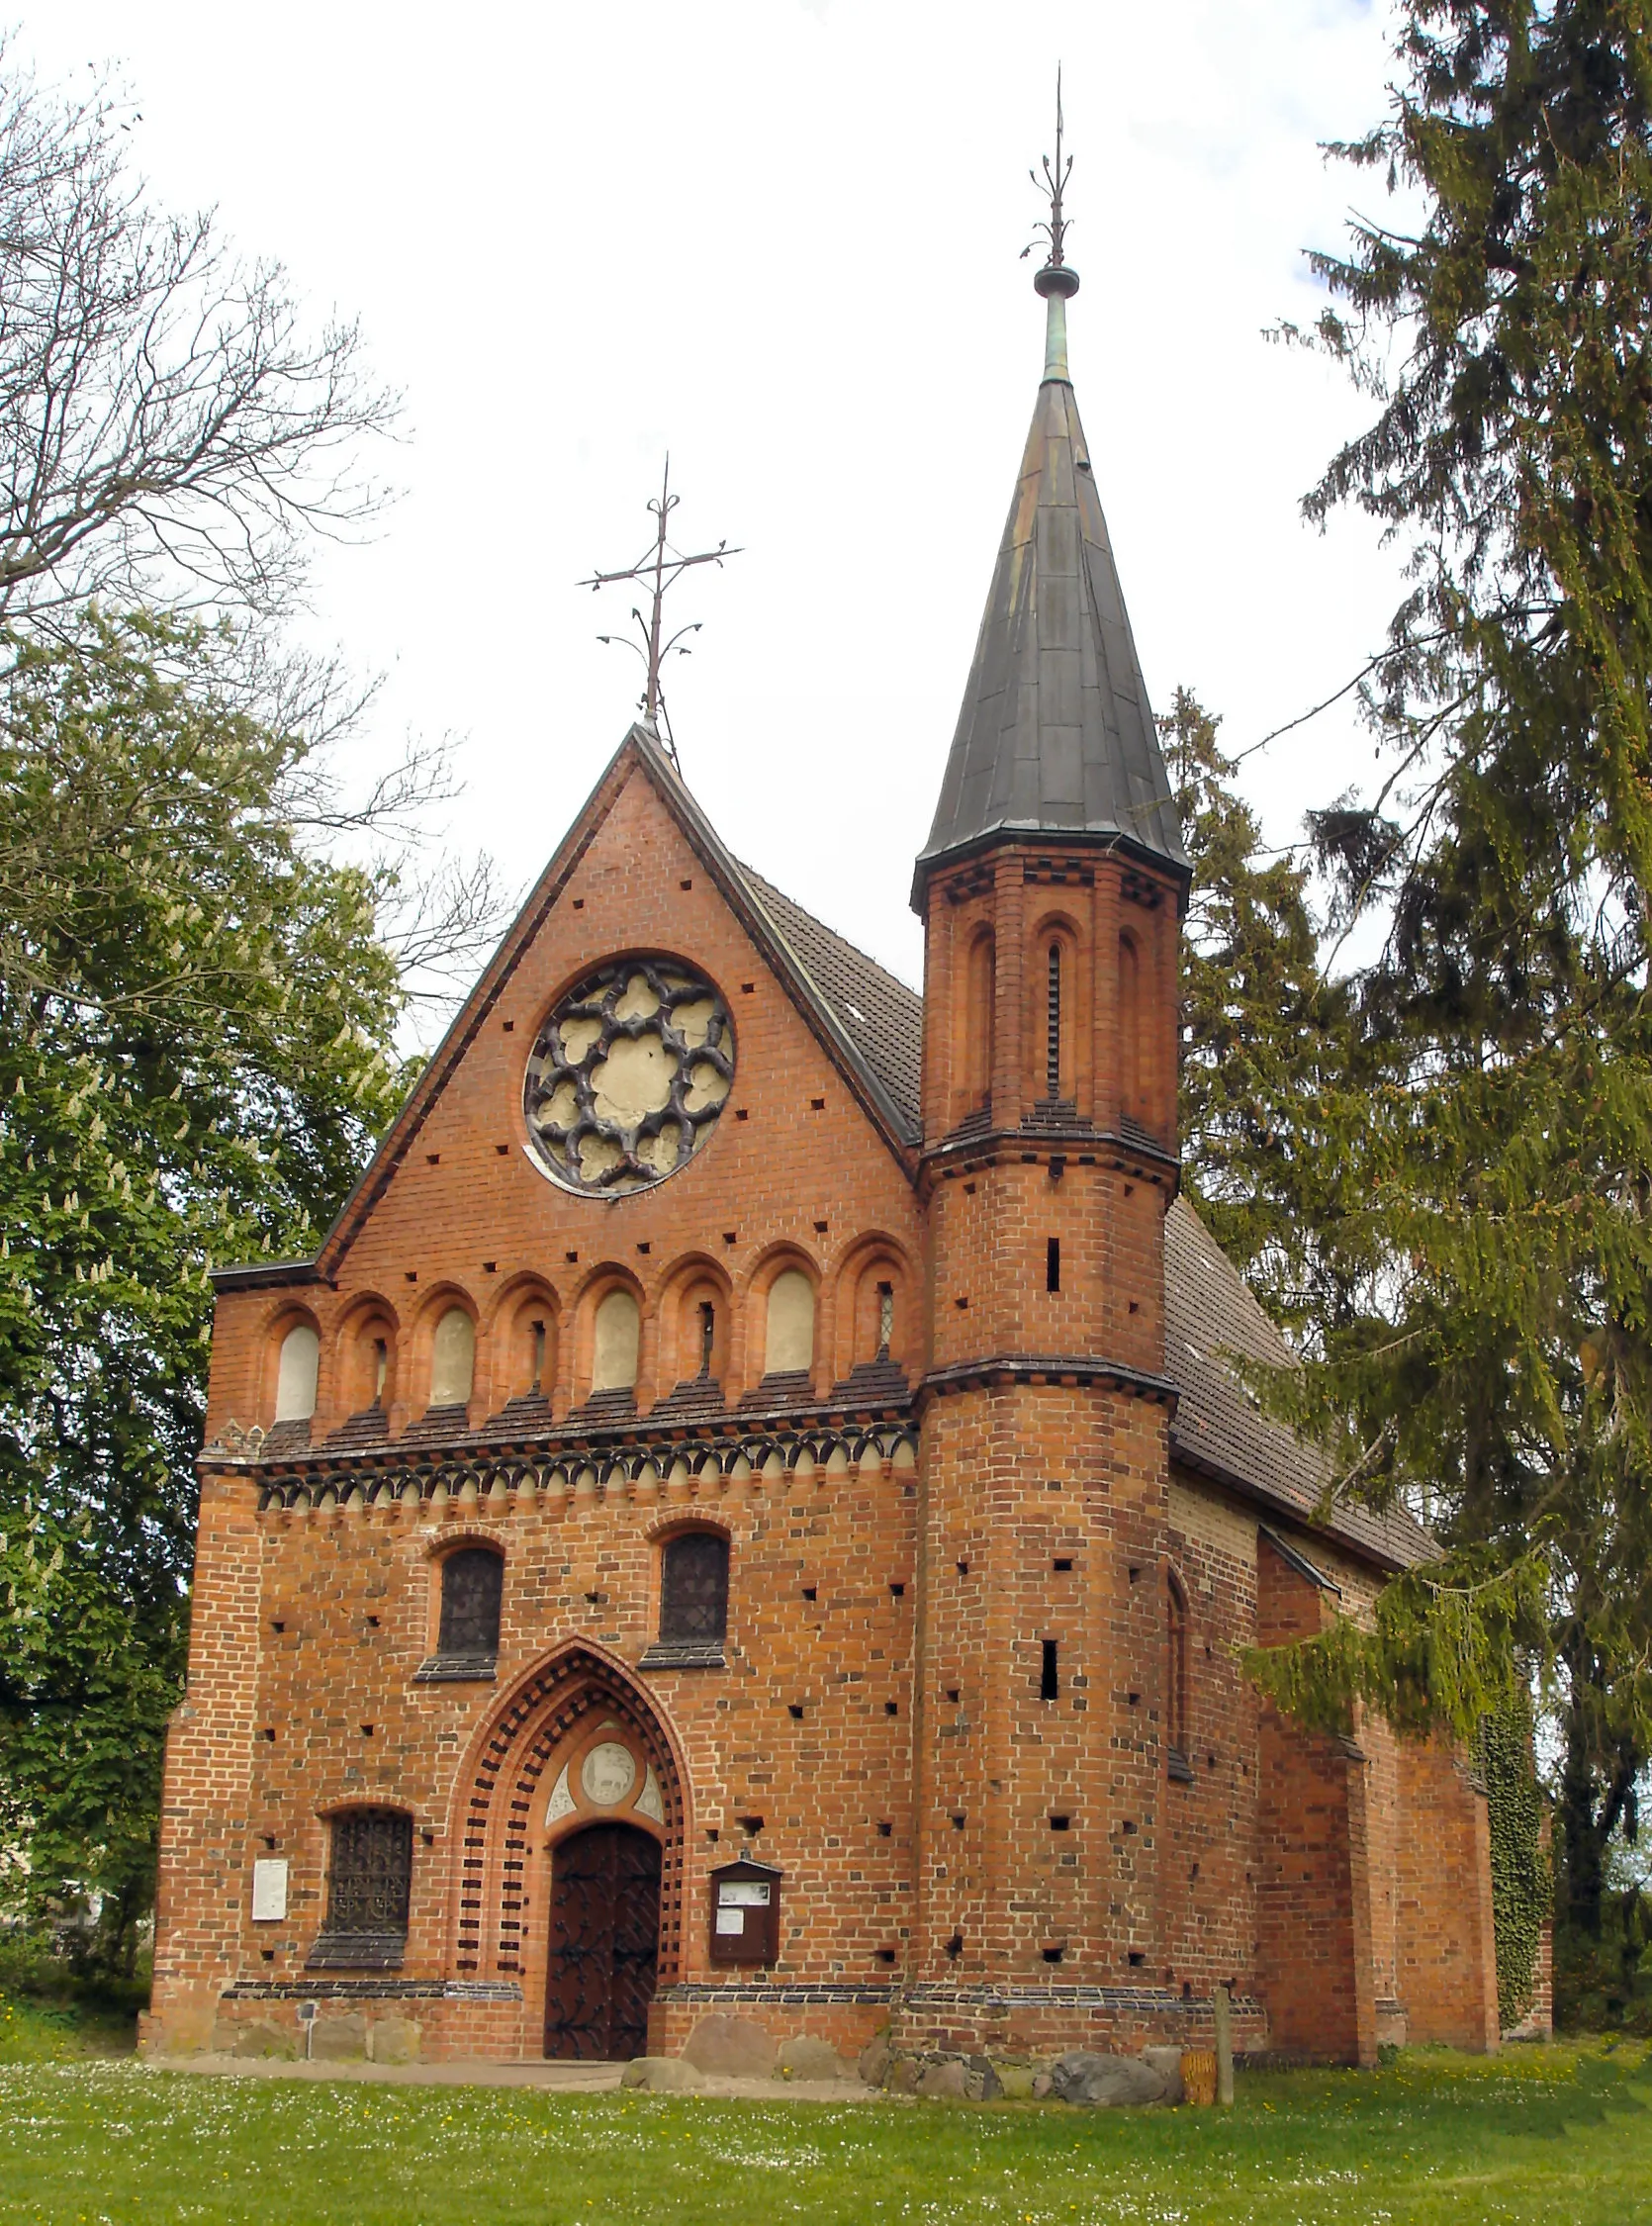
pixel 628 1075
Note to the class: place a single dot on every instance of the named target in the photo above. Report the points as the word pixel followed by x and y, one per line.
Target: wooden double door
pixel 605 1937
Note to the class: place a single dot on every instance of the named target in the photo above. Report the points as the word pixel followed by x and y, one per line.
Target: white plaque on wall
pixel 269 1890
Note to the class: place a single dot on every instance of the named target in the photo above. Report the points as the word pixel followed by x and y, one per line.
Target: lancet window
pixel 693 1590
pixel 471 1588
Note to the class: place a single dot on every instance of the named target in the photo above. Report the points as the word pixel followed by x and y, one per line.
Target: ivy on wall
pixel 1523 1884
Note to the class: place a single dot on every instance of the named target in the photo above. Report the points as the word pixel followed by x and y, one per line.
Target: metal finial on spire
pixel 663 567
pixel 1057 281
pixel 1056 176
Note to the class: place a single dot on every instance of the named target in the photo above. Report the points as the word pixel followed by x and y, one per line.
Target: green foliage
pixel 1522 1880
pixel 196 1020
pixel 1602 1979
pixel 1531 2138
pixel 49 2012
pixel 1436 1653
pixel 1262 1031
pixel 1483 1222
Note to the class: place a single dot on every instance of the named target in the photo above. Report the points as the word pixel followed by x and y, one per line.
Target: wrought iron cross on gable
pixel 660 567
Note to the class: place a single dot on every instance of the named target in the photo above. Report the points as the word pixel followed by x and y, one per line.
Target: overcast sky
pixel 782 238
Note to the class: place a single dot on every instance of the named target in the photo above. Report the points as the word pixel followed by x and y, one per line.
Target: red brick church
pixel 749 1514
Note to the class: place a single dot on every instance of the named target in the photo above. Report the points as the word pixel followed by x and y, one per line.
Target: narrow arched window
pixel 296 1371
pixel 1129 1029
pixel 1052 1025
pixel 369 1886
pixel 788 1347
pixel 472 1587
pixel 693 1590
pixel 618 1337
pixel 1175 1673
pixel 452 1360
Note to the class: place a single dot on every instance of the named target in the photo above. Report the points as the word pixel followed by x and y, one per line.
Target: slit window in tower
pixel 538 1328
pixel 381 1367
pixel 1049 1682
pixel 885 1318
pixel 1052 1027
pixel 1052 1263
pixel 708 1334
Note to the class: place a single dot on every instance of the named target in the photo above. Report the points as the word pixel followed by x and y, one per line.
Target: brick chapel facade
pixel 750 1513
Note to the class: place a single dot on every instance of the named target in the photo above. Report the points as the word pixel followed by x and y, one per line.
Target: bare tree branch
pixel 169 423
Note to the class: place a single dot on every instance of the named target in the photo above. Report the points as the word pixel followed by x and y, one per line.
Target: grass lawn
pixel 1560 2135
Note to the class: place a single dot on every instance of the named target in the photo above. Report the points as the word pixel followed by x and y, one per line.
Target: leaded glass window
pixel 472 1584
pixel 693 1590
pixel 369 1883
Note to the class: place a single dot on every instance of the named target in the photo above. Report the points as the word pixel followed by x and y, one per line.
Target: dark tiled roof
pixel 1209 1310
pixel 1055 733
pixel 880 1016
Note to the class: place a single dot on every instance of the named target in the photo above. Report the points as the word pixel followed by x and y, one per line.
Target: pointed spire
pixel 1055 735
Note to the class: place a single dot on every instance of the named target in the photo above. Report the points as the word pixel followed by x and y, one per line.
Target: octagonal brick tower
pixel 1051 888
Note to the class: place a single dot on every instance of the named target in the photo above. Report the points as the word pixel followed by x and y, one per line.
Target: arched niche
pixel 523 1341
pixel 789 1324
pixel 1132 1097
pixel 452 1357
pixel 298 1363
pixel 875 1314
pixel 615 1339
pixel 367 1357
pixel 980 994
pixel 1175 1734
pixel 696 1325
pixel 1058 1013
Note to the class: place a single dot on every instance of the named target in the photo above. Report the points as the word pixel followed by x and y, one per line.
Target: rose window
pixel 628 1075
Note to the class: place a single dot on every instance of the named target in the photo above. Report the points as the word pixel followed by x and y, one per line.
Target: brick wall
pixel 982 1863
pixel 1447 1963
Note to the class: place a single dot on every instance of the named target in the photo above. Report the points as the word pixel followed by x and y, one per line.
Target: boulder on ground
pixel 1104 2082
pixel 662 2074
pixel 1016 2081
pixel 261 2038
pixel 395 2040
pixel 806 2057
pixel 875 2058
pixel 944 2081
pixel 904 2074
pixel 1168 2063
pixel 731 2048
pixel 336 2040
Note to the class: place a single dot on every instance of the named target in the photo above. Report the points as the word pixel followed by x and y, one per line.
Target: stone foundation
pixel 1033 2022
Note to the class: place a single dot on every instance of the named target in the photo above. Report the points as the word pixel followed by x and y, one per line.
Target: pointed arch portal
pixel 583 1907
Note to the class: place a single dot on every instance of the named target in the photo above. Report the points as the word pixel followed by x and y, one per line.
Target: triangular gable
pixel 638 753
